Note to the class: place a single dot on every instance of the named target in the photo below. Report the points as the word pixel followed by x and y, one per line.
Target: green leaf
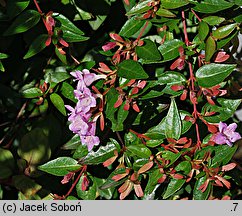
pixel 141 7
pixel 116 115
pixel 224 111
pixel 16 7
pixel 58 103
pixel 73 143
pixel 169 49
pixel 148 51
pixel 171 157
pixel 23 22
pixel 68 91
pixel 7 163
pixel 61 56
pixel 60 166
pixel 70 32
pixel 213 20
pixel 81 151
pixel 139 150
pixel 173 187
pixel 224 31
pixel 102 154
pixel 32 93
pixel 106 193
pixel 173 122
pixel 211 6
pixel 1 67
pixel 223 155
pixel 37 46
pixel 212 74
pixel 170 78
pixel 112 183
pixel 56 76
pixel 131 26
pixel 198 194
pixel 223 42
pixel 165 13
pixel 210 48
pixel 131 69
pixel 203 30
pixel 172 4
pixel 3 56
pixel 90 193
pixel 97 22
pixel 185 167
pixel 26 185
pixel 139 163
pixel 34 147
pixel 154 176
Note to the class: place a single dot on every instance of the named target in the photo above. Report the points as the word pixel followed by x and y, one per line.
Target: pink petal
pixel 234 137
pixel 108 46
pixel 219 138
pixel 232 127
pixel 222 126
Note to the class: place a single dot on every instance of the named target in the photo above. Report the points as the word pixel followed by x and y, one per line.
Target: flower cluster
pixel 80 117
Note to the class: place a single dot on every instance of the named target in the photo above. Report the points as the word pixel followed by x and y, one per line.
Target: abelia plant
pixel 131 99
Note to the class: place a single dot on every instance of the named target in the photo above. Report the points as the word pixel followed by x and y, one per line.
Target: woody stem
pixel 38 7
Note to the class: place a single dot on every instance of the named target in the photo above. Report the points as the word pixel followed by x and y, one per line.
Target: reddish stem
pixel 192 80
pixel 185 28
pixel 38 7
pixel 84 168
pixel 199 19
pixel 142 30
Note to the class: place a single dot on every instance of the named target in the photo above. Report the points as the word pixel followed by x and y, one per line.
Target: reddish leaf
pixel 145 167
pixel 64 43
pixel 118 102
pixel 229 166
pixel 138 190
pixel 221 57
pixel 108 46
pixel 126 105
pixel 116 37
pixel 135 107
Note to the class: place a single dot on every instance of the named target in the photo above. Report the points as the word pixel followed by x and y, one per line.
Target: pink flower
pixel 226 134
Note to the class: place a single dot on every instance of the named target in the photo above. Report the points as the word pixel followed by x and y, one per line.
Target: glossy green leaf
pixel 171 157
pixel 70 32
pixel 58 103
pixel 73 143
pixel 15 7
pixel 212 74
pixel 141 7
pixel 173 187
pixel 139 150
pixel 165 13
pixel 172 4
pixel 198 194
pixel 32 93
pixel 3 56
pixel 170 78
pixel 68 91
pixel 97 22
pixel 131 26
pixel 61 56
pixel 173 122
pixel 169 49
pixel 34 147
pixel 105 193
pixel 148 51
pixel 223 155
pixel 224 31
pixel 210 48
pixel 184 167
pixel 211 6
pixel 131 69
pixel 203 30
pixel 224 110
pixel 90 193
pixel 213 20
pixel 60 166
pixel 139 163
pixel 116 115
pixel 36 46
pixel 56 76
pixel 154 176
pixel 112 183
pixel 81 151
pixel 223 42
pixel 23 22
pixel 102 154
